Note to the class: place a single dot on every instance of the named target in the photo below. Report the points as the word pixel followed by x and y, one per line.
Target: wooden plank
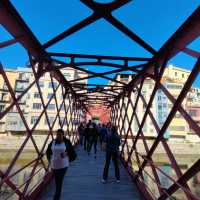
pixel 83 181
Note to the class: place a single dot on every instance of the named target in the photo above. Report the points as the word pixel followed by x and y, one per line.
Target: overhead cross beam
pixel 106 14
pixel 89 72
pixel 92 18
pixel 15 25
pixel 98 57
pixel 106 73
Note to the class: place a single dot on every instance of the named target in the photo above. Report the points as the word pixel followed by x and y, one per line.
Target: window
pixel 145 127
pixel 12 123
pixel 178 115
pixel 175 73
pixel 178 136
pixel 159 97
pixel 52 84
pixel 51 107
pixel 63 107
pixel 3 96
pixel 164 105
pixel 62 120
pixel 5 87
pixel 36 95
pixel 49 95
pixel 159 107
pixel 193 113
pixel 41 84
pixel 159 115
pixel 183 75
pixel 177 128
pixel 174 86
pixel 34 119
pixel 21 76
pixel 51 120
pixel 37 105
pixel 170 106
pixel 2 107
pixel 124 77
pixel 67 75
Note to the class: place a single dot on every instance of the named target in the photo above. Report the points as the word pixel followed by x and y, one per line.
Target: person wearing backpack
pixel 59 153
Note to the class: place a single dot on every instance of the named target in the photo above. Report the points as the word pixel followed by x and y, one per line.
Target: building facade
pixel 31 104
pixel 173 80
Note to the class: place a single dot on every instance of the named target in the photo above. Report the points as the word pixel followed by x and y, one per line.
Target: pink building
pixel 194 112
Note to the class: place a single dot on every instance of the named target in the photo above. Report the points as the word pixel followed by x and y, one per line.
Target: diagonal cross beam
pixel 89 72
pixel 106 73
pixel 102 9
pixel 92 18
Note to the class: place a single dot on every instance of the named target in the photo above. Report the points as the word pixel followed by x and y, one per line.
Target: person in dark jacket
pixel 88 136
pixel 81 130
pixel 112 141
pixel 102 133
pixel 58 156
pixel 94 139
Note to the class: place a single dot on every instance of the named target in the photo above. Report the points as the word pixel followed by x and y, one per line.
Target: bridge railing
pixel 157 118
pixel 29 121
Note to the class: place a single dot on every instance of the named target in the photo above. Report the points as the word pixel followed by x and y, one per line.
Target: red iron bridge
pixel 142 176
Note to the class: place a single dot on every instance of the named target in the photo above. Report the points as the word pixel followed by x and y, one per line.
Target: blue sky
pixel 153 20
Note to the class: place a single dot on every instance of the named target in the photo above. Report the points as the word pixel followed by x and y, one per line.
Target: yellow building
pixel 31 104
pixel 5 97
pixel 148 129
pixel 176 74
pixel 173 79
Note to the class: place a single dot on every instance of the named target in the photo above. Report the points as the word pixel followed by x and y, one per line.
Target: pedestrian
pixel 88 136
pixel 108 126
pixel 94 140
pixel 102 134
pixel 81 133
pixel 112 141
pixel 59 153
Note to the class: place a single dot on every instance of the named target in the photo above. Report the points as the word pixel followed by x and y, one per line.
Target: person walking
pixel 102 134
pixel 81 132
pixel 59 153
pixel 94 140
pixel 112 141
pixel 88 136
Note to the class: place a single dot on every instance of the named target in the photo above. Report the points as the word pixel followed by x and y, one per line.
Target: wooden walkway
pixel 83 181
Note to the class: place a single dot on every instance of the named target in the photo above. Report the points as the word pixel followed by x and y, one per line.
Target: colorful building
pixel 30 103
pixel 173 80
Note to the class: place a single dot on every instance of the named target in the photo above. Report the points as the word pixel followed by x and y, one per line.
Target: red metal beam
pixel 92 18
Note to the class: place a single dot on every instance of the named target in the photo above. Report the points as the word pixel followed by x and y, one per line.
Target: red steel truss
pixel 117 98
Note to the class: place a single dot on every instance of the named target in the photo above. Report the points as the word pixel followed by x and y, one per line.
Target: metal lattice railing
pixel 156 164
pixel 37 165
pixel 139 152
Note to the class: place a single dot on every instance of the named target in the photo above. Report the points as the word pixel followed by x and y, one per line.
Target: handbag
pixel 70 150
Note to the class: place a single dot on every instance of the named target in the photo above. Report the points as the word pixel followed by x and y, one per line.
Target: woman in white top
pixel 59 161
